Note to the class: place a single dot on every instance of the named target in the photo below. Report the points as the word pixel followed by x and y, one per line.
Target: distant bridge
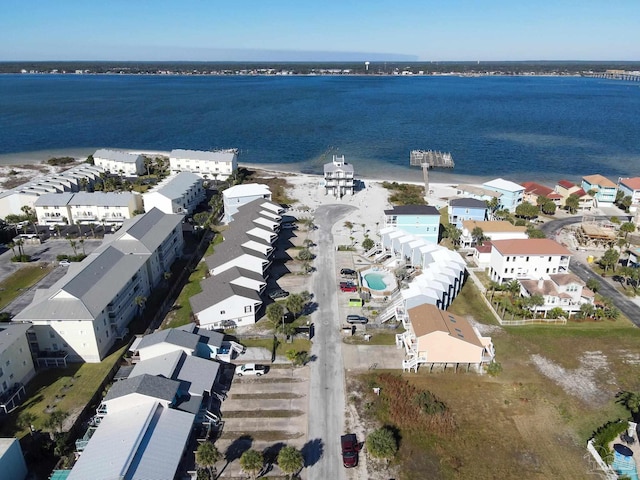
pixel 617 75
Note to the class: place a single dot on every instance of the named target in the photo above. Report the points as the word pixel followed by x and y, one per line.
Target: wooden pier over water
pixel 430 159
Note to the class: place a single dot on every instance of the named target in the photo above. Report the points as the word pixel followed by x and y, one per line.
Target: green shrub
pixel 494 368
pixel 604 435
pixel 21 258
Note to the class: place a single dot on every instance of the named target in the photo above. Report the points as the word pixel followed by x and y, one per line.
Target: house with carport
pixel 463 209
pixel 630 187
pixel 511 193
pixel 439 339
pixel 605 190
pixel 421 221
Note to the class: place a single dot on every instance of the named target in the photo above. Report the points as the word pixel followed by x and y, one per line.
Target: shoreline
pixel 376 172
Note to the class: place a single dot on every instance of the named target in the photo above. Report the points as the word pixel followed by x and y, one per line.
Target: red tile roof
pixel 484 248
pixel 530 246
pixel 537 189
pixel 566 184
pixel 631 183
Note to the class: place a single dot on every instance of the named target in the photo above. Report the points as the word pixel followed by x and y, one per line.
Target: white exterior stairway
pixel 412 363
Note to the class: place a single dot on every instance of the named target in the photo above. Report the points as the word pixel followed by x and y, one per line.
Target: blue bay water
pixel 520 128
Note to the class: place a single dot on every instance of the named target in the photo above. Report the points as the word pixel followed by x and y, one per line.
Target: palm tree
pixel 274 312
pixel 12 246
pixel 82 245
pixel 19 243
pixel 252 462
pixel 73 246
pixel 295 303
pixel 290 460
pixel 630 401
pixel 349 225
pixel 207 455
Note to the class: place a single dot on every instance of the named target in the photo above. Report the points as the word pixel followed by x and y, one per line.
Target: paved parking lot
pixel 264 413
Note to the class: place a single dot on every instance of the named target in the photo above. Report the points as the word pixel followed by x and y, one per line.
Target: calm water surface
pixel 521 128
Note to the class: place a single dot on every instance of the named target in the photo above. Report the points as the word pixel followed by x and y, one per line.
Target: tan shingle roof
pixel 530 246
pixel 599 180
pixel 493 226
pixel 426 319
pixel 631 183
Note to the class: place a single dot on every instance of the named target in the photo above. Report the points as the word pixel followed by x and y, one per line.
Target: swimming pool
pixel 624 464
pixel 375 281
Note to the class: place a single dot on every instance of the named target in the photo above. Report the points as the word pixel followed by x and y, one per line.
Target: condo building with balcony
pixel 88 309
pixel 339 177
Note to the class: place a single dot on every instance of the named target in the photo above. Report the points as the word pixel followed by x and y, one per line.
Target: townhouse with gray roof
pixel 217 165
pixel 105 208
pixel 117 162
pixel 235 197
pixel 89 308
pixel 72 180
pixel 181 193
pixel 16 364
pixel 168 396
pixel 228 299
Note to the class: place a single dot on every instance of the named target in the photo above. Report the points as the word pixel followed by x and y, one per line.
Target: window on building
pixel 52 335
pixel 222 312
pixel 527 259
pixel 1 372
pixel 247 309
pixel 8 363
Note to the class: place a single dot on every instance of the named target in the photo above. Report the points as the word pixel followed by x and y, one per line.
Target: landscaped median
pixel 16 283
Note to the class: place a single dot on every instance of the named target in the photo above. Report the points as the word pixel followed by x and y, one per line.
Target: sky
pixel 328 30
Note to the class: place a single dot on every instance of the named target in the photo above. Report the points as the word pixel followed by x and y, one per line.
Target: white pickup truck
pixel 251 369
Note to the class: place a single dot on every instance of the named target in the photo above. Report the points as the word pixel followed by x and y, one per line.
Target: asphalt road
pixel 607 288
pixel 326 389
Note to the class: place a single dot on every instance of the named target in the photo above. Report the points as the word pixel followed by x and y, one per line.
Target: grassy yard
pixel 27 276
pixel 181 313
pixel 532 420
pixel 60 389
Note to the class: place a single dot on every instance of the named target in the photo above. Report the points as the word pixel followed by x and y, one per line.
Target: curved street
pixel 584 272
pixel 326 390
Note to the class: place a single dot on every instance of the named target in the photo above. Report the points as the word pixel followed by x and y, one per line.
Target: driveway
pixel 264 413
pixel 327 392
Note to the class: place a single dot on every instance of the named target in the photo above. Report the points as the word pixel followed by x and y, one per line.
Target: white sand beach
pixel 369 202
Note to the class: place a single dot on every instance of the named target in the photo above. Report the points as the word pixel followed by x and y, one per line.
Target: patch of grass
pixel 405 194
pixel 27 276
pixel 299 344
pixel 65 389
pixel 181 314
pixel 277 185
pixel 382 337
pixel 444 216
pixel 469 302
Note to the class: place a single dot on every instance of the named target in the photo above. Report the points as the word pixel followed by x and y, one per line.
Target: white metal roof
pixel 246 190
pixel 145 441
pixel 502 184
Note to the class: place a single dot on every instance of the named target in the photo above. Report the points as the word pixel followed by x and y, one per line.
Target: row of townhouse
pixel 432 336
pixel 156 410
pixel 81 316
pixel 72 180
pixel 238 269
pixel 216 165
pixel 107 208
